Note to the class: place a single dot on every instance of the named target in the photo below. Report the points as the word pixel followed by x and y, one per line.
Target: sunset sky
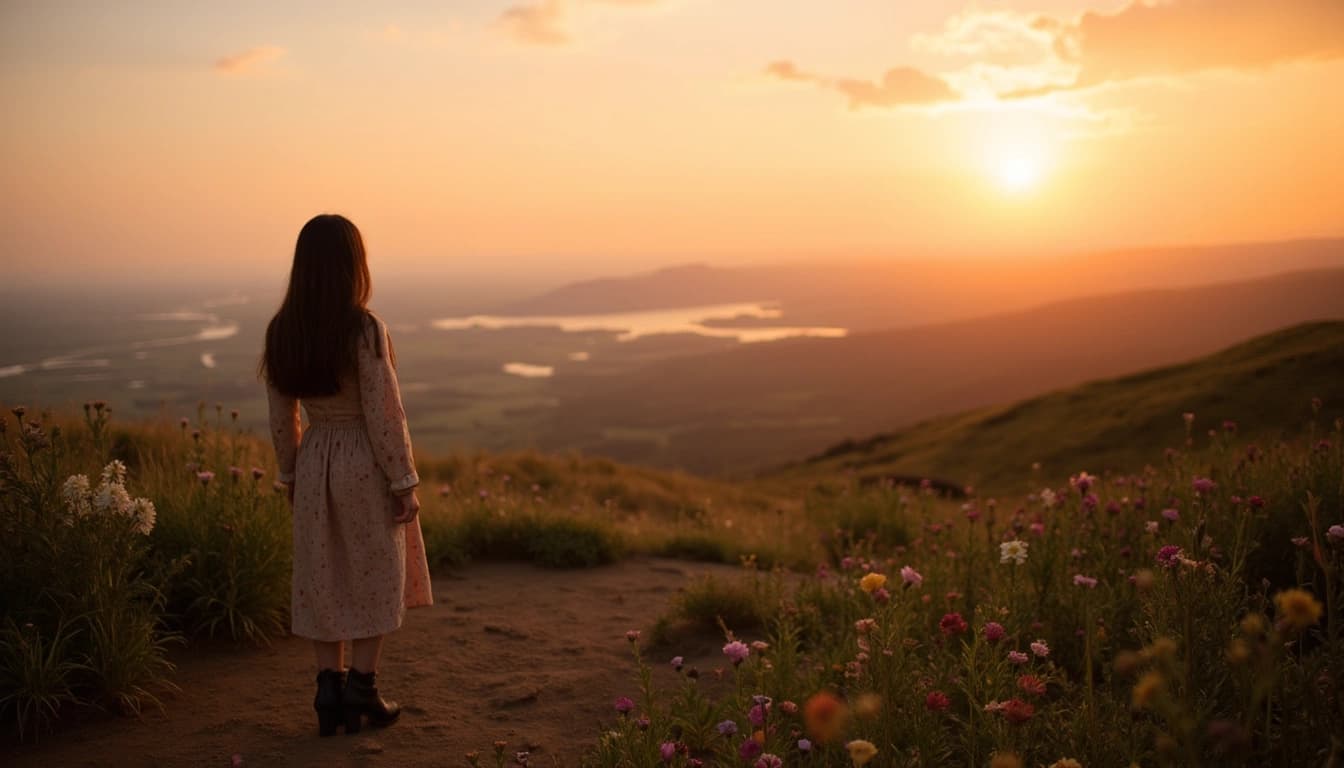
pixel 582 136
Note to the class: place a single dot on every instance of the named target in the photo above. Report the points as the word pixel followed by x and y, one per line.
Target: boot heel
pixel 352 720
pixel 327 722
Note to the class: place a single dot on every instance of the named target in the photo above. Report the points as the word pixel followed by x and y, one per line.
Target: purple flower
pixel 994 631
pixel 1203 485
pixel 737 652
pixel 624 705
pixel 757 715
pixel 1169 556
pixel 726 728
pixel 1084 581
pixel 804 745
pixel 1171 515
pixel 667 750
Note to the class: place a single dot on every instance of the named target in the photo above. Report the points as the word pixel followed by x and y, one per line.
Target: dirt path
pixel 511 652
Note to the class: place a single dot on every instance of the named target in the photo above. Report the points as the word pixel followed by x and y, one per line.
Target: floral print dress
pixel 355 569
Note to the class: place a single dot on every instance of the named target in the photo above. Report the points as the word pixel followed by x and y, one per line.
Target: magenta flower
pixel 667 750
pixel 757 715
pixel 769 761
pixel 1256 502
pixel 881 596
pixel 1169 556
pixel 952 624
pixel 1083 482
pixel 994 631
pixel 1171 515
pixel 1084 581
pixel 737 652
pixel 749 750
pixel 937 701
pixel 205 477
pixel 624 705
pixel 632 635
pixel 1203 485
pixel 1335 534
pixel 1017 657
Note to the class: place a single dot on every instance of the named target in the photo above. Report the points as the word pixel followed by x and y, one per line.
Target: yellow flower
pixel 1147 689
pixel 1005 760
pixel 1066 762
pixel 872 582
pixel 1297 609
pixel 861 751
pixel 1253 625
pixel 869 705
pixel 1238 652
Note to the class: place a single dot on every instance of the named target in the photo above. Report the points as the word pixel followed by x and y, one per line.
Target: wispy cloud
pixel 1188 36
pixel 538 24
pixel 543 22
pixel 250 60
pixel 899 86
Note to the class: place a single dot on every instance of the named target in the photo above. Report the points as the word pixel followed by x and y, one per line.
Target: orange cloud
pixel 542 23
pixel 1185 36
pixel 539 24
pixel 249 60
pixel 899 86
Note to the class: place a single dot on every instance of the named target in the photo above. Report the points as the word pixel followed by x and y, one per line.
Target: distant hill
pixel 1264 385
pixel 759 405
pixel 878 294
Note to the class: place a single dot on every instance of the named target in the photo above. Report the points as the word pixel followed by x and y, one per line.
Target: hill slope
pixel 1264 385
pixel 760 405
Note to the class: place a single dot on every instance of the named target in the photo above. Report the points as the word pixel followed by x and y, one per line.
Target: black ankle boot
pixel 329 700
pixel 361 699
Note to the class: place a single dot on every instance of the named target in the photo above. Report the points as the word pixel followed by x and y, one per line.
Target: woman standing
pixel 359 557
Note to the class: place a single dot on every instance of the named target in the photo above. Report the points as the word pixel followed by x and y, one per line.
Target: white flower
pixel 75 494
pixel 1048 498
pixel 112 498
pixel 142 510
pixel 1150 526
pixel 1014 551
pixel 114 473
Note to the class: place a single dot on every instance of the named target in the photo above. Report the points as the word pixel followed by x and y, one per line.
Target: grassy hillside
pixel 740 410
pixel 1265 385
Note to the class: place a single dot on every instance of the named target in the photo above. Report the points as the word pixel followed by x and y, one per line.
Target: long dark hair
pixel 310 343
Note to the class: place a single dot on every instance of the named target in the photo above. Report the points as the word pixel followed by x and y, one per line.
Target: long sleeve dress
pixel 355 569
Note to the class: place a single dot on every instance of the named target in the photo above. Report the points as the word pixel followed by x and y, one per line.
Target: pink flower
pixel 667 750
pixel 1018 711
pixel 737 652
pixel 1083 482
pixel 258 473
pixel 749 750
pixel 1017 657
pixel 881 596
pixel 624 705
pixel 1171 515
pixel 1335 534
pixel 911 576
pixel 864 626
pixel 205 477
pixel 1084 581
pixel 757 715
pixel 235 473
pixel 1256 502
pixel 1031 684
pixel 632 635
pixel 769 761
pixel 1203 485
pixel 677 663
pixel 1300 542
pixel 937 701
pixel 760 646
pixel 1040 649
pixel 994 631
pixel 952 624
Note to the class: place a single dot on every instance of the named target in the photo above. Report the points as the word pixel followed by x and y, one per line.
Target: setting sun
pixel 1018 172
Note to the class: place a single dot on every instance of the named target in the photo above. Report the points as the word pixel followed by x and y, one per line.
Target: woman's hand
pixel 410 507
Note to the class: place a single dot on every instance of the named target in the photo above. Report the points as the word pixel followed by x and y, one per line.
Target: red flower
pixel 952 624
pixel 937 701
pixel 1018 711
pixel 1031 684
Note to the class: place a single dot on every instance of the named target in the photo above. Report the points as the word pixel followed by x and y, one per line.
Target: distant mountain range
pixel 883 294
pixel 1264 386
pixel 758 405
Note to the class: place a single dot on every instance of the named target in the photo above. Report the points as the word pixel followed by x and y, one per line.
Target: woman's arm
pixel 285 432
pixel 383 412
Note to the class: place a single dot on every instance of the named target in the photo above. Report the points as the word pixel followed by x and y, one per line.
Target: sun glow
pixel 1018 172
